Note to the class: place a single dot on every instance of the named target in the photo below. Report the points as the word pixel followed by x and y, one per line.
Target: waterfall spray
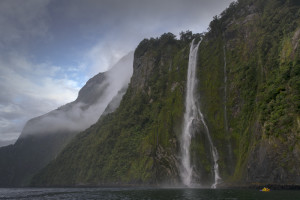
pixel 193 114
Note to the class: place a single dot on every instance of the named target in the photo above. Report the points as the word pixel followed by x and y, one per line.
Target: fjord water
pixel 194 115
pixel 145 193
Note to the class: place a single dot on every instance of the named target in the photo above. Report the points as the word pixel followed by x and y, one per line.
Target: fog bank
pixel 91 102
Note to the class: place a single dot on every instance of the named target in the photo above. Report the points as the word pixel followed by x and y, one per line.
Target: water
pixel 214 152
pixel 193 115
pixel 190 115
pixel 145 194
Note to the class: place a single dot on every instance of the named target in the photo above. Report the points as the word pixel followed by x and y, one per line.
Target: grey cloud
pixel 10 130
pixel 14 116
pixel 107 13
pixel 20 20
pixel 26 91
pixel 121 25
pixel 108 28
pixel 90 104
pixel 6 142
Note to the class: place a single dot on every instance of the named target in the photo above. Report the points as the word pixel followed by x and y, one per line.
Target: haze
pixel 50 48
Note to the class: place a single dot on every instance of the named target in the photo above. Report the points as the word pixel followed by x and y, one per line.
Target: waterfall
pixel 214 152
pixel 190 115
pixel 193 114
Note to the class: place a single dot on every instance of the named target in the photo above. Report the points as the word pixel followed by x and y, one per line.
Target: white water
pixel 214 152
pixel 193 114
pixel 190 115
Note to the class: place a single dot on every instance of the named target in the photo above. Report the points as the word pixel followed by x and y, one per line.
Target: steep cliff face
pixel 248 90
pixel 258 136
pixel 45 136
pixel 137 144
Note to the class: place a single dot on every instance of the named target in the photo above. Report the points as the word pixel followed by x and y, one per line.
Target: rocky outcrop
pixel 269 162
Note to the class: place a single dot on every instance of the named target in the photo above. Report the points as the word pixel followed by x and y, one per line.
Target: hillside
pixel 45 136
pixel 259 41
pixel 248 74
pixel 137 143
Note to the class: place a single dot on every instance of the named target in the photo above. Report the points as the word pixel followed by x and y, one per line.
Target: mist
pixel 100 91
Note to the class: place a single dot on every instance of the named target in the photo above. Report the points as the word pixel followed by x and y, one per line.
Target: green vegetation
pixel 138 143
pixel 261 40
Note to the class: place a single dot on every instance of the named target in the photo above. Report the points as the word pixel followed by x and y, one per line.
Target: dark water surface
pixel 145 194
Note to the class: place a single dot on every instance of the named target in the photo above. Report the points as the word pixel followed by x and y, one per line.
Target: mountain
pixel 248 89
pixel 45 136
pixel 138 142
pixel 259 41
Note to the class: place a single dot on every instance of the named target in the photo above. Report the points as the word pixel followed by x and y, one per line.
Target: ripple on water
pixel 144 194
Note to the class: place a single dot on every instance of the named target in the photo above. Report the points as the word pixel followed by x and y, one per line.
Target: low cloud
pixel 49 48
pixel 104 55
pixel 86 110
pixel 27 90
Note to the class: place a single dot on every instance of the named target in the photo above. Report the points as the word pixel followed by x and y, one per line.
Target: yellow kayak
pixel 265 189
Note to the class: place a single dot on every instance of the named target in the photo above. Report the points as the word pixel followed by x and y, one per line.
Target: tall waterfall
pixel 193 115
pixel 190 115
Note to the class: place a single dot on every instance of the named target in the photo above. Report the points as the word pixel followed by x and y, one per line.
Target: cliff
pixel 136 143
pixel 249 84
pixel 248 90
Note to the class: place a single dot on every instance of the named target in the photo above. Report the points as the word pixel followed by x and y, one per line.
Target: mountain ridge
pixel 248 89
pixel 45 136
pixel 254 125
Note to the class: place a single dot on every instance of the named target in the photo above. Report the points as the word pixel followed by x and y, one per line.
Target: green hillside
pixel 253 116
pixel 137 143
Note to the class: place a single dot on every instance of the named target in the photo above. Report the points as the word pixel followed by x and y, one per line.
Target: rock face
pixel 253 117
pixel 262 91
pixel 254 126
pixel 45 136
pixel 136 144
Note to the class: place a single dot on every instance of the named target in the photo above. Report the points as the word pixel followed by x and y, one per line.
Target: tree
pixel 186 36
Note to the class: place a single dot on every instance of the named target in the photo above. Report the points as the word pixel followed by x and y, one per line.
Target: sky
pixel 50 48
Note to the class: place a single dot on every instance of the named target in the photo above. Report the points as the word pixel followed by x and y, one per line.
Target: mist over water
pixel 92 100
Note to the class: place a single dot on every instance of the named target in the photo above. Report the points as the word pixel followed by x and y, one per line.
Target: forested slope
pixel 249 91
